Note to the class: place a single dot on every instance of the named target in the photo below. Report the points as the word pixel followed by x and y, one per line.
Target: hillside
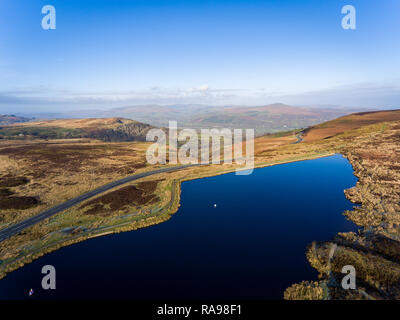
pixel 156 115
pixel 10 119
pixel 105 129
pixel 264 119
pixel 159 115
pixel 349 122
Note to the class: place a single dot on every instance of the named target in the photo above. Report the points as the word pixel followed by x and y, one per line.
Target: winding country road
pixel 16 228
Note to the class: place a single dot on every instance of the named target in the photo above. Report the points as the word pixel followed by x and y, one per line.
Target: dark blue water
pixel 252 245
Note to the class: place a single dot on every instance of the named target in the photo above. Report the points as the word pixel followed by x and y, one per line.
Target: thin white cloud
pixel 360 95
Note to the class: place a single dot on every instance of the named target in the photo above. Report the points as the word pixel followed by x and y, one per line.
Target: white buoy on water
pixel 215 205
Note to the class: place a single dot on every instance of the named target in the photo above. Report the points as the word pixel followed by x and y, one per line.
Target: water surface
pixel 251 245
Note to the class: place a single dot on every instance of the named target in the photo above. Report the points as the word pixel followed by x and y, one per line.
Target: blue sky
pixel 105 54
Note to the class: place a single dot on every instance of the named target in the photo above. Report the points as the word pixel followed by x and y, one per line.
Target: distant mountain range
pixel 264 119
pixel 350 122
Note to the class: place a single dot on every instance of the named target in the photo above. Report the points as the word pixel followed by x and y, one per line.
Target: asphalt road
pixel 16 228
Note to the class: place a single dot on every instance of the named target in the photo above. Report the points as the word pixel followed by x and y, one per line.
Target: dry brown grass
pixel 87 124
pixel 350 122
pixel 265 144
